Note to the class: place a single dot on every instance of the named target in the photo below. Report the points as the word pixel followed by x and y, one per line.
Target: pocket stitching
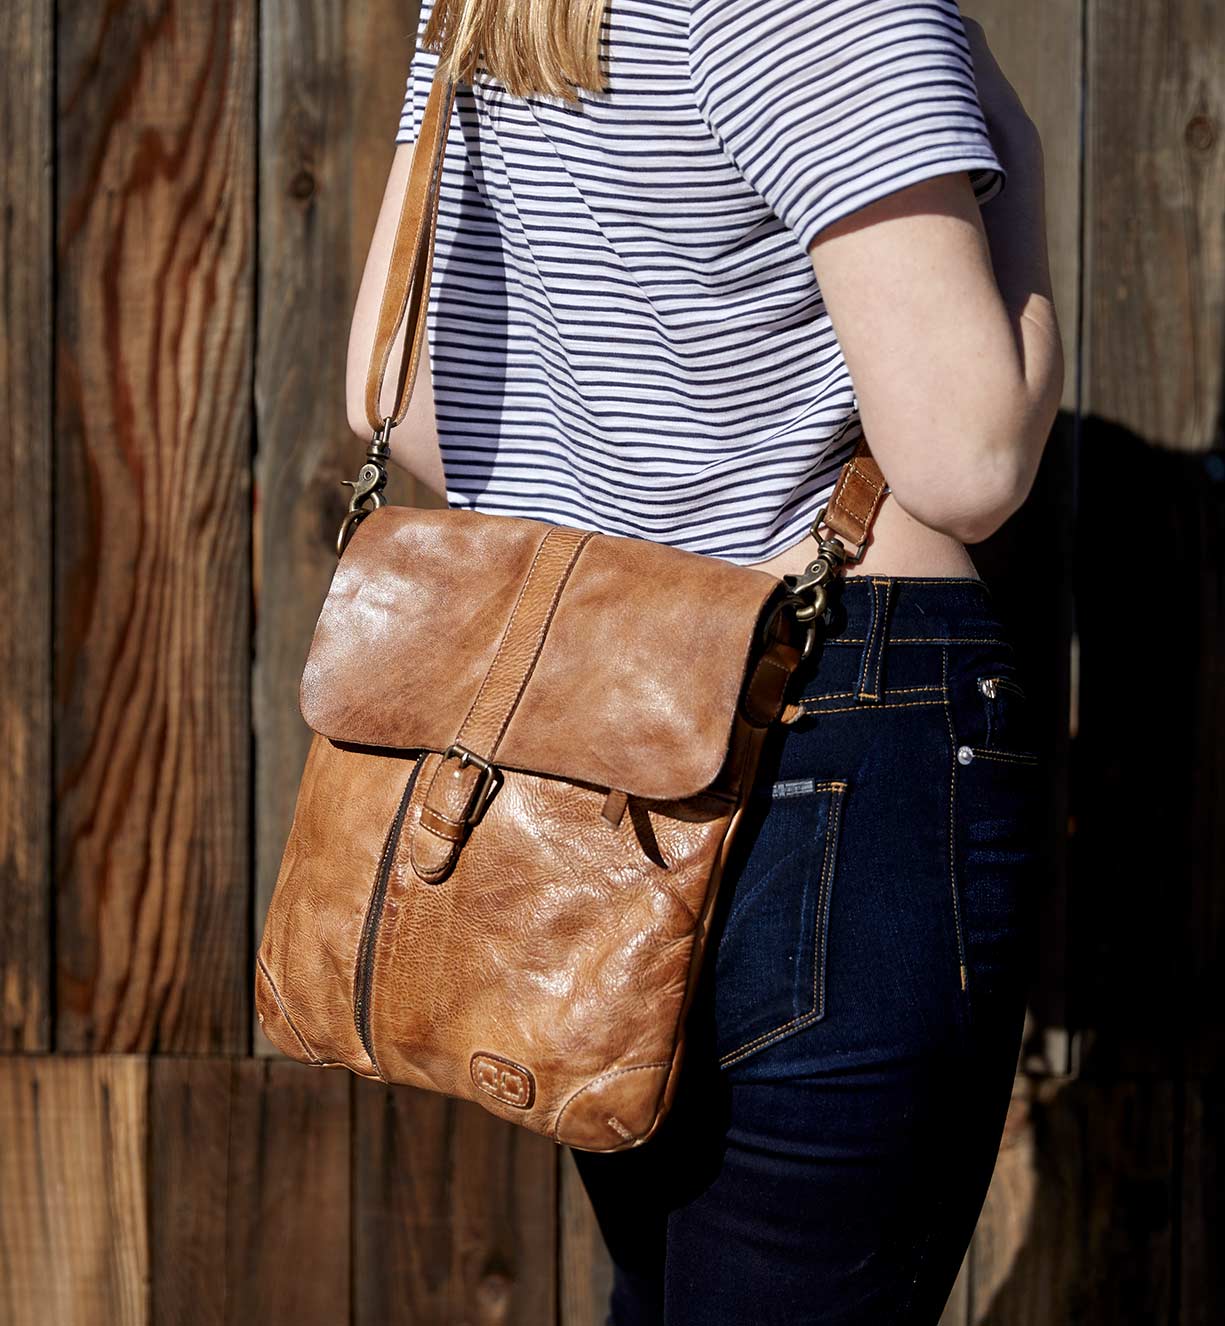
pixel 988 703
pixel 1007 756
pixel 836 791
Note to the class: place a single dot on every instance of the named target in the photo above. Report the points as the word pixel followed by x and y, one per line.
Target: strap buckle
pixel 491 778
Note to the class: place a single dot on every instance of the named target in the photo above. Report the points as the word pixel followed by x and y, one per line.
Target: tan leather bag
pixel 532 746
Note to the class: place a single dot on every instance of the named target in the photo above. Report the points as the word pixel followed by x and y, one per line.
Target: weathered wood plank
pixel 249 1193
pixel 1085 1193
pixel 454 1214
pixel 72 1191
pixel 190 1105
pixel 152 530
pixel 1155 227
pixel 585 1267
pixel 332 86
pixel 26 274
pixel 288 1197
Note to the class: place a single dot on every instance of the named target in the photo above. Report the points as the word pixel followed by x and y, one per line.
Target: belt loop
pixel 868 688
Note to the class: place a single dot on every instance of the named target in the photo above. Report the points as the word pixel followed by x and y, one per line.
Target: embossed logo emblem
pixel 503 1080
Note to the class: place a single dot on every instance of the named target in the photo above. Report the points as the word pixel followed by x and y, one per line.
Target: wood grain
pixel 152 529
pixel 288 1197
pixel 72 1191
pixel 454 1214
pixel 190 1178
pixel 26 312
pixel 1155 228
pixel 333 83
pixel 585 1267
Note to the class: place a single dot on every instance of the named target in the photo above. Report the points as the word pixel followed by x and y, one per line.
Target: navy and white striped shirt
pixel 625 330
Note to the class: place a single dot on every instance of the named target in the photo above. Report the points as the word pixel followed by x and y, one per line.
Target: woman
pixel 668 305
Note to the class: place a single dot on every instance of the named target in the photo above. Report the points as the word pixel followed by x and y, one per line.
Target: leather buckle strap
pixel 452 804
pixel 491 777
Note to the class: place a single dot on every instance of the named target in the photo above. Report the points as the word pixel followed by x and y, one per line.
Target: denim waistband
pixel 879 609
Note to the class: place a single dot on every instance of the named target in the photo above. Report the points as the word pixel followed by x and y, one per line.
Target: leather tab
pixel 614 807
pixel 443 824
pixel 763 695
pixel 857 496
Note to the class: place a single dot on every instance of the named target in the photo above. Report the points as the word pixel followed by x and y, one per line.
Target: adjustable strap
pixel 465 777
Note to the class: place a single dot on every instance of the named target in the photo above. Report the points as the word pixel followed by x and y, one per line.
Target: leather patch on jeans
pixel 508 1082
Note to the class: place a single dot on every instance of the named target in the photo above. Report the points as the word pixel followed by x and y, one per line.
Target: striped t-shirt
pixel 625 330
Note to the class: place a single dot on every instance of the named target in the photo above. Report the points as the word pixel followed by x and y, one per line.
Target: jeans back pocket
pixel 769 968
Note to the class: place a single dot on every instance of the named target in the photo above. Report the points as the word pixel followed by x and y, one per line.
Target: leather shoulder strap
pixel 407 288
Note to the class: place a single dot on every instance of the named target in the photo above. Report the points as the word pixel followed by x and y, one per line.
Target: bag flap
pixel 636 671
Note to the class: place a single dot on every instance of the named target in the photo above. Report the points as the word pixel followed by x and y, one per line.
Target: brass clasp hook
pixel 808 590
pixel 367 487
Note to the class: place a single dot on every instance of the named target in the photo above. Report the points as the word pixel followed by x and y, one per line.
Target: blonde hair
pixel 529 46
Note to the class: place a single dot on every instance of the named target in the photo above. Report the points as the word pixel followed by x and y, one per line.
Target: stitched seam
pixel 861 680
pixel 766 661
pixel 862 709
pixel 439 831
pixel 948 718
pixel 886 593
pixel 876 489
pixel 599 1081
pixel 817 1011
pixel 289 1022
pixel 919 640
pixel 846 695
pixel 1017 757
pixel 923 580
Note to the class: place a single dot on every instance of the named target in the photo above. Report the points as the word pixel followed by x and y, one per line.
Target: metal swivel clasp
pixel 367 487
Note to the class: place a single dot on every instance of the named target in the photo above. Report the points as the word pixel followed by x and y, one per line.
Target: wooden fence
pixel 188 191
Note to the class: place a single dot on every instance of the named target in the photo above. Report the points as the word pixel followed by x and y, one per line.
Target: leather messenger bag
pixel 531 749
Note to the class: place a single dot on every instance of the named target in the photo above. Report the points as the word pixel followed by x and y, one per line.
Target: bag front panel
pixel 555 959
pixel 306 961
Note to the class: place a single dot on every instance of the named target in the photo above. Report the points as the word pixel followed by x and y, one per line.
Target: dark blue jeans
pixel 851 1049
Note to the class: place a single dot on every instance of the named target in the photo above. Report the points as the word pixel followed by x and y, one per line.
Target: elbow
pixel 969 483
pixel 995 483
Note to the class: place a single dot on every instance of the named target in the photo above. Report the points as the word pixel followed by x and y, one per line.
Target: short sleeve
pixel 407 132
pixel 827 105
pixel 417 87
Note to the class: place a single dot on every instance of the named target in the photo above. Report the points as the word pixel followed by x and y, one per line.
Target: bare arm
pixel 944 312
pixel 414 442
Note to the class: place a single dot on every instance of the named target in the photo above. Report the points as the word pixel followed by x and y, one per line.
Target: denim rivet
pixel 964 754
